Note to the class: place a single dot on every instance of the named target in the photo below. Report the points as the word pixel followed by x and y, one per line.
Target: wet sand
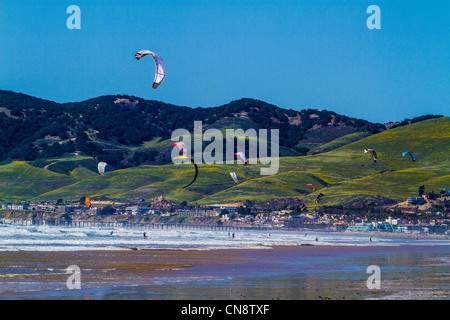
pixel 285 272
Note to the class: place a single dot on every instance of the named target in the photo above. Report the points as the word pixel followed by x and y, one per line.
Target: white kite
pixel 241 155
pixel 234 176
pixel 373 153
pixel 160 67
pixel 101 167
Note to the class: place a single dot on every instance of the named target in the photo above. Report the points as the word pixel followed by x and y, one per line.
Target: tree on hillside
pixel 421 190
pixel 107 210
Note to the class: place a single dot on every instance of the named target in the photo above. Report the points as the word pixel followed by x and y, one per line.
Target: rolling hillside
pixel 127 131
pixel 343 174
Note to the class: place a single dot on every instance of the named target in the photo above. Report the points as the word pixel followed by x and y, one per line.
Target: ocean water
pixel 210 265
pixel 59 238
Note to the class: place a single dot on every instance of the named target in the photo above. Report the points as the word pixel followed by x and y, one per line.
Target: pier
pixel 126 224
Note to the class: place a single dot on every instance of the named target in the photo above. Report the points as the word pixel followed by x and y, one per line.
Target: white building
pixel 14 206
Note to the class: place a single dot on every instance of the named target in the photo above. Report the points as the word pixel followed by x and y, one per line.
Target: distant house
pixel 14 206
pixel 362 226
pixel 60 208
pixel 394 221
pixel 157 212
pixel 137 210
pixel 416 201
pixel 92 210
pixel 198 212
pixel 388 227
pixel 339 226
pixel 410 228
pixel 228 208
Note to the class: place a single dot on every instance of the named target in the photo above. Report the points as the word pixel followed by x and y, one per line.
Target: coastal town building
pixel 14 206
pixel 136 210
pixel 412 221
pixel 415 200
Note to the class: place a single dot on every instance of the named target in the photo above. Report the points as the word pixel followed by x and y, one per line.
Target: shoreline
pixel 65 238
pixel 211 227
pixel 216 274
pixel 205 223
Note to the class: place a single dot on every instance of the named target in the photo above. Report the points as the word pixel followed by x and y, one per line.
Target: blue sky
pixel 294 54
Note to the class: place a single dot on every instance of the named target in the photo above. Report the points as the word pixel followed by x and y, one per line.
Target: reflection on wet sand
pixel 297 272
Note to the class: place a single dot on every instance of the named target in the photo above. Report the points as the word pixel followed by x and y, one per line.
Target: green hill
pixel 347 172
pixel 127 131
pixel 20 181
pixel 343 174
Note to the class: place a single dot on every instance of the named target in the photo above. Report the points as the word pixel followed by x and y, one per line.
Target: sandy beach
pixel 286 272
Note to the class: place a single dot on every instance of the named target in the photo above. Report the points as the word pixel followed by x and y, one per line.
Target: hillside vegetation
pixel 127 131
pixel 342 175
